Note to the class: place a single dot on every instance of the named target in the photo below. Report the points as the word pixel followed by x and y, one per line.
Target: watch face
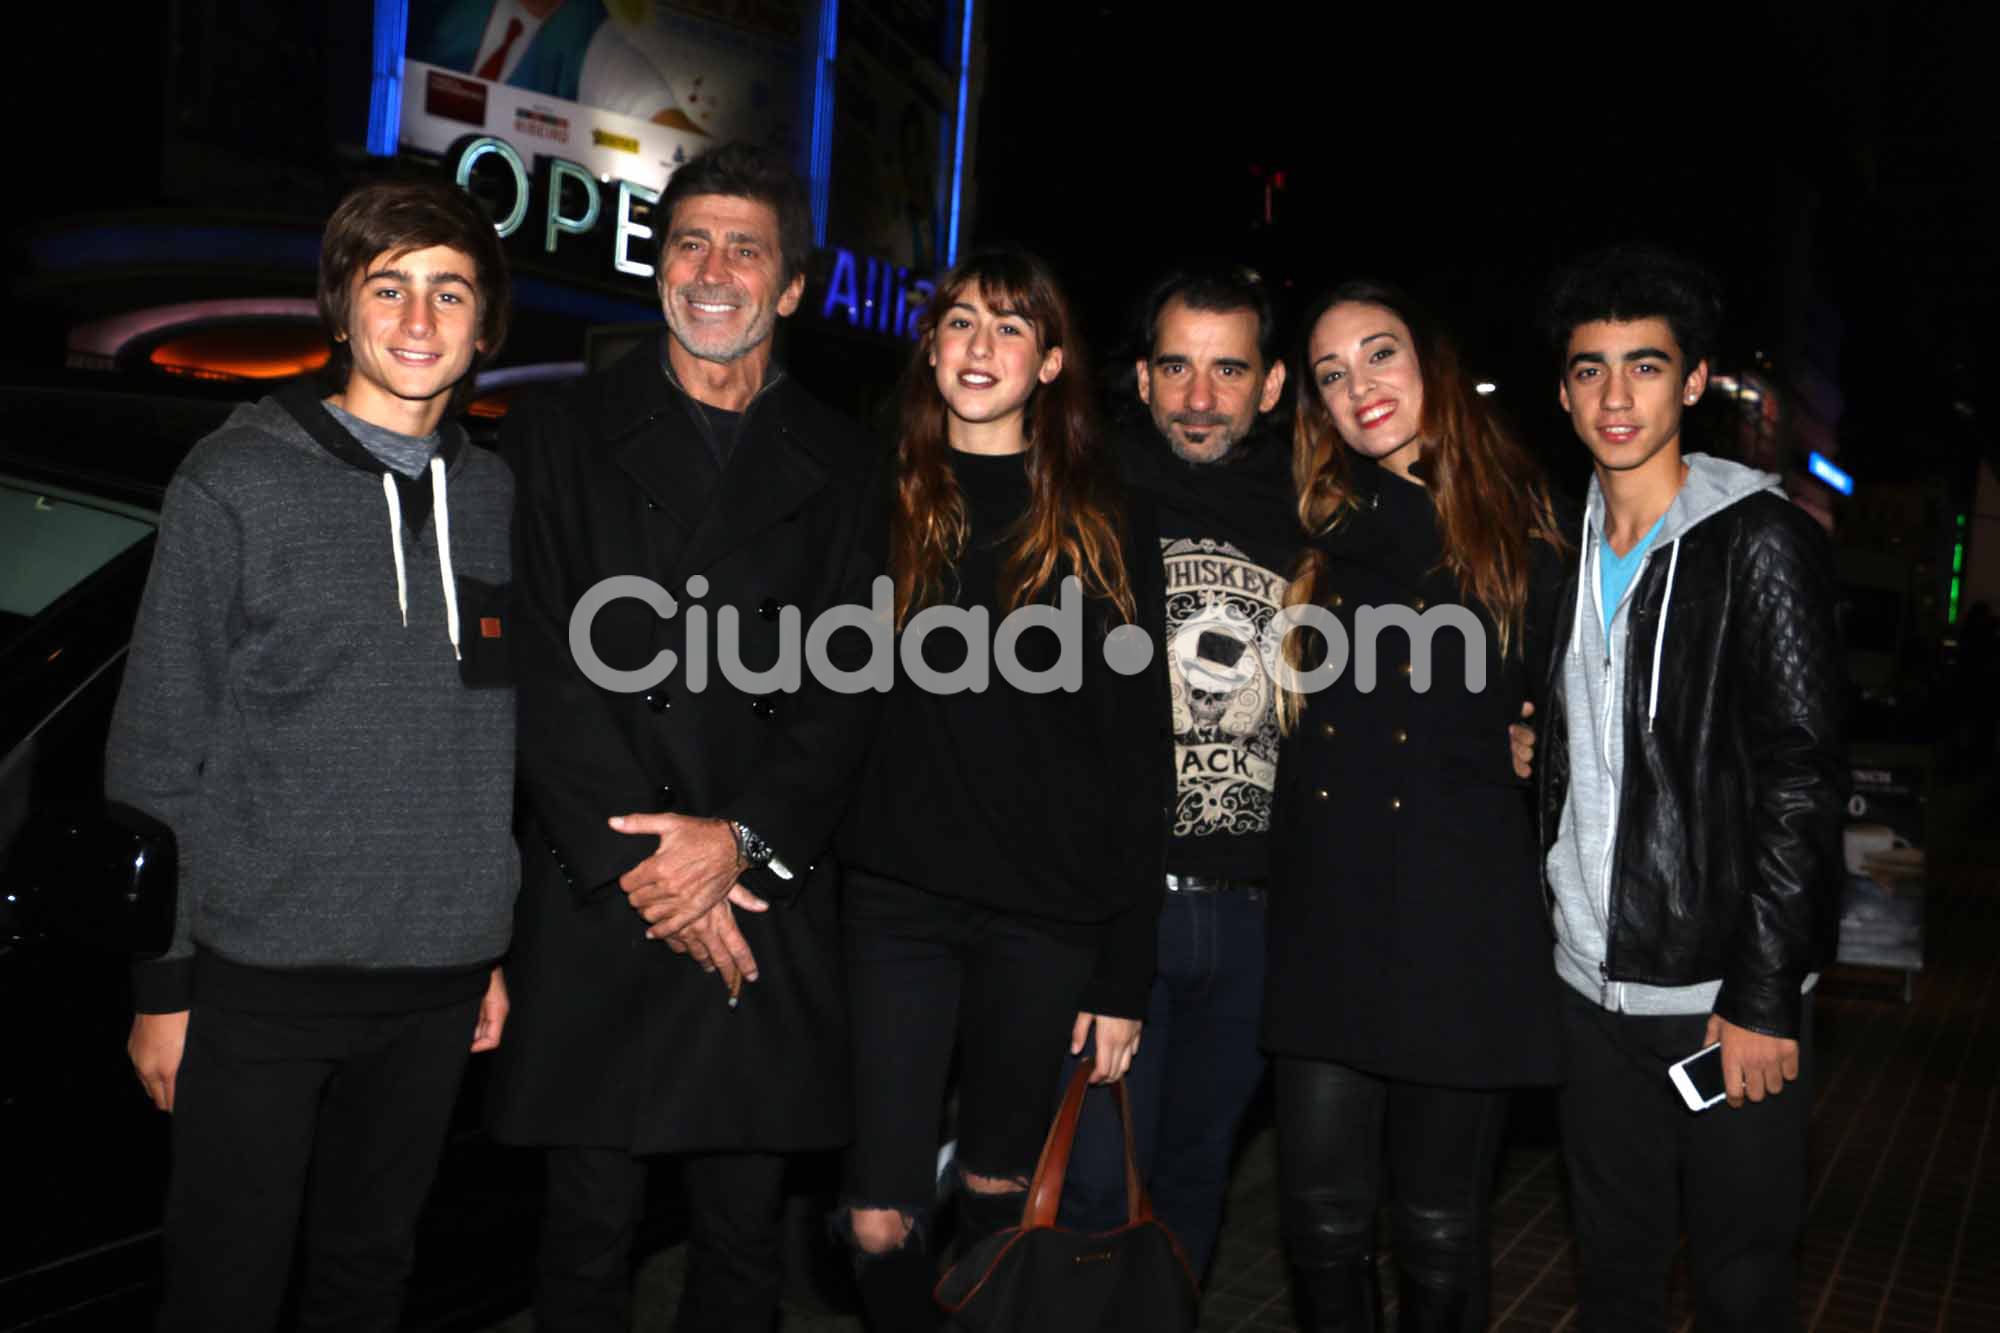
pixel 755 850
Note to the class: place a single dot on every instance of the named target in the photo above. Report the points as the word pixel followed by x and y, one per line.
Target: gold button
pixel 1323 794
pixel 1401 736
pixel 1328 730
pixel 1419 603
pixel 1335 600
pixel 1405 668
pixel 1395 803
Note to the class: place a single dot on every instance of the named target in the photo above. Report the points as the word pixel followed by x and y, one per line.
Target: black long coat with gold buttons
pixel 615 1041
pixel 1408 936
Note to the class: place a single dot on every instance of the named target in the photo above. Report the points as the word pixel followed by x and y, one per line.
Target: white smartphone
pixel 1698 1078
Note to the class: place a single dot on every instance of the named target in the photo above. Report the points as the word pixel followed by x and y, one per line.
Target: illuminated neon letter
pixel 556 170
pixel 470 151
pixel 629 230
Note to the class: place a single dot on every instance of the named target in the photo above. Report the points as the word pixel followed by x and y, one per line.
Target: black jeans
pixel 735 1269
pixel 1642 1166
pixel 927 974
pixel 1336 1126
pixel 1198 1067
pixel 339 1117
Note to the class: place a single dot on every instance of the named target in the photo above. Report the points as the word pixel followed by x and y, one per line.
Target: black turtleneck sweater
pixel 1049 806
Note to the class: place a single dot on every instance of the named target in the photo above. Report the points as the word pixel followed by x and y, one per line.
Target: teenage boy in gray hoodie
pixel 317 705
pixel 1691 797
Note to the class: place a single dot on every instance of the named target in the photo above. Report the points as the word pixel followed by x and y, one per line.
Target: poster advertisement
pixel 892 139
pixel 627 88
pixel 1882 903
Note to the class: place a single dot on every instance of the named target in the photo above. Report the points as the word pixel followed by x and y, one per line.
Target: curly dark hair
pixel 1628 282
pixel 743 171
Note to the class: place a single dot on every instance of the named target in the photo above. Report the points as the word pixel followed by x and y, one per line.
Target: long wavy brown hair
pixel 1074 522
pixel 1492 497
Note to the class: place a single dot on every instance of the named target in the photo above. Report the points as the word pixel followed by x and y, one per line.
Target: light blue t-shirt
pixel 1614 572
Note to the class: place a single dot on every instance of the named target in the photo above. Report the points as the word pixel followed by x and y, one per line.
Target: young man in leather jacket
pixel 1690 798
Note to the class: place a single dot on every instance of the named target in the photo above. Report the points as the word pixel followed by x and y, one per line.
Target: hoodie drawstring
pixel 1660 635
pixel 396 544
pixel 441 502
pixel 441 506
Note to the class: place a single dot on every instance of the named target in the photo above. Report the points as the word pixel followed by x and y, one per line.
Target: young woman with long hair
pixel 1006 841
pixel 1409 981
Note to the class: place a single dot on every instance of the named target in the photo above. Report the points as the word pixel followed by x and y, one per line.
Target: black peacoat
pixel 614 1040
pixel 1407 931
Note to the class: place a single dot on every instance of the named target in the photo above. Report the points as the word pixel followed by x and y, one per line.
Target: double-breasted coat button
pixel 1395 803
pixel 768 608
pixel 666 796
pixel 1402 736
pixel 1336 600
pixel 763 708
pixel 1405 668
pixel 657 699
pixel 1322 795
pixel 1328 730
pixel 653 504
pixel 1419 604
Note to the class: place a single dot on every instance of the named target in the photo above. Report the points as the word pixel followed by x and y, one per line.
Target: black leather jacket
pixel 1727 860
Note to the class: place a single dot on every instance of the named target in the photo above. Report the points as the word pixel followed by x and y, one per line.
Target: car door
pixel 82 1152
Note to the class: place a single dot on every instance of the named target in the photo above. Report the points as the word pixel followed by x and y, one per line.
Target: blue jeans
pixel 1198 1067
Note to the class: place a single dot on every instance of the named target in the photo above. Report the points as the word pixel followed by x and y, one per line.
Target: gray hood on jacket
pixel 1593 681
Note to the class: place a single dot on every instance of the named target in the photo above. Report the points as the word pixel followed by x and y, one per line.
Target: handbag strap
pixel 1045 1191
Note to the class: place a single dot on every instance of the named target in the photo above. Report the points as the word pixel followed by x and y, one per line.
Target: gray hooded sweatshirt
pixel 1594 673
pixel 309 705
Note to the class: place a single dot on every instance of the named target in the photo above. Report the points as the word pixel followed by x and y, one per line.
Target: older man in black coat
pixel 671 814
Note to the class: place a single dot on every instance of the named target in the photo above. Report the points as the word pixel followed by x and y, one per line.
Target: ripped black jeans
pixel 928 975
pixel 1337 1129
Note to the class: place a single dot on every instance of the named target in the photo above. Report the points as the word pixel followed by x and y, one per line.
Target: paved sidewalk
pixel 1903 1227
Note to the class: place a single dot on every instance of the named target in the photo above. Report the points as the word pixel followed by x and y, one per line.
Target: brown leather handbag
pixel 1039 1278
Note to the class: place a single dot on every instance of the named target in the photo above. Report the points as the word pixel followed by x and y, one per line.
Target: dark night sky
pixel 1461 157
pixel 1465 157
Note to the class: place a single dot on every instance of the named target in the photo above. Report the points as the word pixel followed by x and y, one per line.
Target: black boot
pixel 1422 1308
pixel 1341 1297
pixel 896 1290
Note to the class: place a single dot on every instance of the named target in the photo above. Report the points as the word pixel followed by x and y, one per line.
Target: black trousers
pixel 927 974
pixel 339 1118
pixel 1337 1127
pixel 1641 1165
pixel 735 1267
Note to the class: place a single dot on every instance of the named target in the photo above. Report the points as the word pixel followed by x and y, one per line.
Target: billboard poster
pixel 625 88
pixel 892 139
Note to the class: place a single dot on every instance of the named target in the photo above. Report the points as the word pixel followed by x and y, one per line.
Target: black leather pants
pixel 1337 1127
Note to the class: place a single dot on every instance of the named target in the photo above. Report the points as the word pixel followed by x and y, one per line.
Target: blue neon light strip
pixel 385 95
pixel 1820 466
pixel 821 136
pixel 958 140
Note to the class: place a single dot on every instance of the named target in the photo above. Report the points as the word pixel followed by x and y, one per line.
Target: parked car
pixel 83 1153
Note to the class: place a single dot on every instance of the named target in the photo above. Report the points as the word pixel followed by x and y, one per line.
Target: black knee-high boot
pixel 1340 1297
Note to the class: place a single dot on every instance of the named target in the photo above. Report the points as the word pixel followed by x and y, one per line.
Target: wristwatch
pixel 756 852
pixel 753 850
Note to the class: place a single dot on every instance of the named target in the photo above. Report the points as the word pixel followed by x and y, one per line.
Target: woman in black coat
pixel 1409 981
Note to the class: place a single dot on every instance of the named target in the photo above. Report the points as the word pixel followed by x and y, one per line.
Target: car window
pixel 51 540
